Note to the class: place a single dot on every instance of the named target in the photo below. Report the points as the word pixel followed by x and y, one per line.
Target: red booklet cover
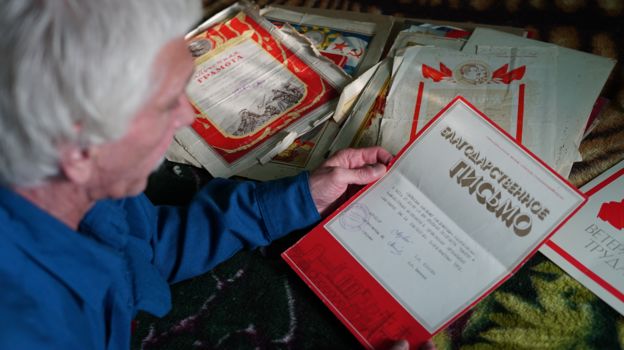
pixel 460 209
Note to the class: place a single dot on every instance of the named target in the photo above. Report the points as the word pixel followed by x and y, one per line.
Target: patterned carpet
pixel 254 301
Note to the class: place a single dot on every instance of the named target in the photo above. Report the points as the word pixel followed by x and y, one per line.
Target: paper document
pixel 361 128
pixel 580 77
pixel 462 205
pixel 514 87
pixel 254 87
pixel 354 44
pixel 590 247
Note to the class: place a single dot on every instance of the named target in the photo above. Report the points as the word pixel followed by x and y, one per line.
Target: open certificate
pixel 590 247
pixel 460 209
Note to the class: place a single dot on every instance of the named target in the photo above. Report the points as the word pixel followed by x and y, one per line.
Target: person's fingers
pixel 339 159
pixel 400 345
pixel 428 346
pixel 359 176
pixel 358 157
pixel 375 154
pixel 329 182
pixel 384 156
pixel 372 155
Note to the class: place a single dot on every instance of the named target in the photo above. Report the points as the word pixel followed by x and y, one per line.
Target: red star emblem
pixel 340 46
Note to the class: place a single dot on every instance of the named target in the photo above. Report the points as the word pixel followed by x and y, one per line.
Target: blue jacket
pixel 62 289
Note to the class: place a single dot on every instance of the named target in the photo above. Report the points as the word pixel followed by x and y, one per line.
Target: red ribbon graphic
pixel 501 75
pixel 436 75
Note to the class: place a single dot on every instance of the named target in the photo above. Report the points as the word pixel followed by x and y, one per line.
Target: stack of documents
pixel 539 93
pixel 266 85
pixel 293 69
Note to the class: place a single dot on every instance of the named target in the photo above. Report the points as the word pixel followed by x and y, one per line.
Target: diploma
pixel 254 90
pixel 460 209
pixel 590 247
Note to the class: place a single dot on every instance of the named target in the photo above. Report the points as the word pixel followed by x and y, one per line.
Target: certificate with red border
pixel 513 87
pixel 253 86
pixel 590 247
pixel 460 209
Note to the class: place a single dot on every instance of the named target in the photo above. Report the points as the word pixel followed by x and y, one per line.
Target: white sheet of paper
pixel 421 229
pixel 356 125
pixel 481 78
pixel 595 244
pixel 406 38
pixel 351 93
pixel 580 78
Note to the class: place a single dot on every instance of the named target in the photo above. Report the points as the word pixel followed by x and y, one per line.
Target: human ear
pixel 76 163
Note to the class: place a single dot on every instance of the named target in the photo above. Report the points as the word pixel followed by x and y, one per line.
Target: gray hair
pixel 75 71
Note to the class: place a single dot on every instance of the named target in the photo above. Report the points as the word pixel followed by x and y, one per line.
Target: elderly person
pixel 91 95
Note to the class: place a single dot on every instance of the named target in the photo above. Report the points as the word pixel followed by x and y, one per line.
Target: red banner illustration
pixel 613 213
pixel 503 76
pixel 436 75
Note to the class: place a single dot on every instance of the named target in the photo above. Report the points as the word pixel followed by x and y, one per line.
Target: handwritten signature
pixel 399 241
pixel 401 236
pixel 395 248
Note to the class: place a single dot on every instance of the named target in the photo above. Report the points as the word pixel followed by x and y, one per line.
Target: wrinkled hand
pixel 349 166
pixel 400 345
pixel 404 345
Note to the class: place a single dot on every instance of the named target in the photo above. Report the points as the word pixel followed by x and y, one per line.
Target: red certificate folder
pixel 460 209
